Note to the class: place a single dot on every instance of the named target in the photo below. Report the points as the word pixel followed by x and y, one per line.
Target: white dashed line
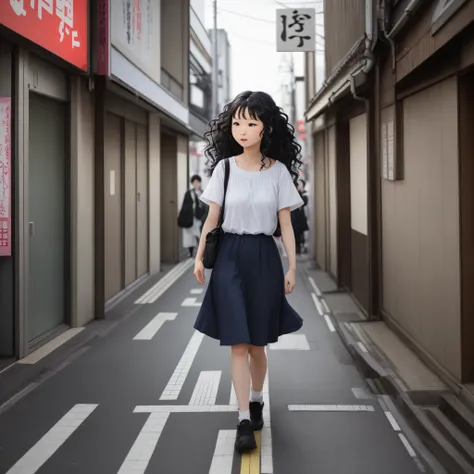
pixel 291 342
pixel 149 331
pixel 315 287
pixel 318 305
pixel 326 307
pixel 142 450
pixel 205 391
pixel 392 421
pixel 52 440
pixel 407 445
pixel 197 291
pixel 176 382
pixel 345 408
pixel 329 323
pixel 190 302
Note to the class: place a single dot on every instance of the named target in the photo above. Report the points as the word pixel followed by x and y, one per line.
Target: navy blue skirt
pixel 245 302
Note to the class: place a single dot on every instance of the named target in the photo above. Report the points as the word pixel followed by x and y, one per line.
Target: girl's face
pixel 247 132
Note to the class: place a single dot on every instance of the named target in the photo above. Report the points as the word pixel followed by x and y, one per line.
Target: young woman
pixel 245 306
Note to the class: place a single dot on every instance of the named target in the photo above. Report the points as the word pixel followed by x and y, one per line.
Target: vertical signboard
pixel 5 177
pixel 296 29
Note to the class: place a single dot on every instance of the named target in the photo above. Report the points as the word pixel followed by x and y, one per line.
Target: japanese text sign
pixel 296 29
pixel 60 26
pixel 5 176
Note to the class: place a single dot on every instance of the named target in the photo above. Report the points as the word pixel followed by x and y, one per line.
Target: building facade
pixel 393 170
pixel 224 73
pixel 94 141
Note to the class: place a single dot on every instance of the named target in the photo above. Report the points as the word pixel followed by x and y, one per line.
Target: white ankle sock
pixel 244 415
pixel 256 396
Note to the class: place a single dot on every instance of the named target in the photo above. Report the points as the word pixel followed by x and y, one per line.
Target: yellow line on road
pixel 251 461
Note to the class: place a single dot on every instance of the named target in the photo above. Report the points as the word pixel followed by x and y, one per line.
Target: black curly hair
pixel 278 135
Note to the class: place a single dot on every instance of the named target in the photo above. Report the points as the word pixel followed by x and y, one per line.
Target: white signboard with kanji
pixel 296 29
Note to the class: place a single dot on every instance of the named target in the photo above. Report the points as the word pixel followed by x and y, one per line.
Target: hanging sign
pixel 5 177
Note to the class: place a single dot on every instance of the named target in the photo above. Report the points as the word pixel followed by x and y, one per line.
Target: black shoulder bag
pixel 213 237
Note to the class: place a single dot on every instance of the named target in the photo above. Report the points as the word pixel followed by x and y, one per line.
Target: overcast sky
pixel 255 61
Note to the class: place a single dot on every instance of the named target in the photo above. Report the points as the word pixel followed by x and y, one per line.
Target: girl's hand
pixel 199 272
pixel 290 281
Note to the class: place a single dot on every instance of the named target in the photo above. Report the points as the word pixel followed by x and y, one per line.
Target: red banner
pixel 5 177
pixel 60 26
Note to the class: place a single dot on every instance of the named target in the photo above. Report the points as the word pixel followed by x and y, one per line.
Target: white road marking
pixel 318 305
pixel 182 408
pixel 176 382
pixel 361 394
pixel 392 421
pixel 197 291
pixel 233 396
pixel 329 323
pixel 325 306
pixel 362 347
pixel 224 453
pixel 291 342
pixel 205 391
pixel 266 451
pixel 142 450
pixel 165 283
pixel 51 346
pixel 407 445
pixel 315 287
pixel 149 331
pixel 350 408
pixel 52 440
pixel 190 303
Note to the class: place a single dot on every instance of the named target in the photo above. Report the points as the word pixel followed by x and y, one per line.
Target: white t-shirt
pixel 253 197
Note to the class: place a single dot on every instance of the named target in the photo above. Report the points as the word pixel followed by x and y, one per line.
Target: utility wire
pixel 253 17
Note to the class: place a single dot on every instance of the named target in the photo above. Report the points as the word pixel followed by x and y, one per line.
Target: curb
pixel 388 383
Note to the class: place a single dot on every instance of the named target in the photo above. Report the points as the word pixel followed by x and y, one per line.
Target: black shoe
pixel 256 415
pixel 245 440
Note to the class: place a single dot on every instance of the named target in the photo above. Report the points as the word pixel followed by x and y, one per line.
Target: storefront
pixel 43 53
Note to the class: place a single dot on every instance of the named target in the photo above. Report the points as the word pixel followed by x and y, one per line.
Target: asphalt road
pixel 153 396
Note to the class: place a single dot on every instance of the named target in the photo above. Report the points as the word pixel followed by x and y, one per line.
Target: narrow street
pixel 153 396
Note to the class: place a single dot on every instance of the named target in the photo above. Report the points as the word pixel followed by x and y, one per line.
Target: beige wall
pixel 358 173
pixel 154 193
pixel 332 199
pixel 82 202
pixel 182 166
pixel 420 228
pixel 173 38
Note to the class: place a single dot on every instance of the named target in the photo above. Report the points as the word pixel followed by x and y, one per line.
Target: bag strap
pixel 226 183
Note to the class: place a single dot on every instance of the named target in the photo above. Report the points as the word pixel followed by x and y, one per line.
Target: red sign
pixel 60 26
pixel 5 176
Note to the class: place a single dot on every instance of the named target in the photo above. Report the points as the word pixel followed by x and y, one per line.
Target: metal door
pixel 47 214
pixel 142 201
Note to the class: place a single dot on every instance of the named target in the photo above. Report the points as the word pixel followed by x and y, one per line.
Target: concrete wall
pixel 154 193
pixel 420 227
pixel 82 202
pixel 332 200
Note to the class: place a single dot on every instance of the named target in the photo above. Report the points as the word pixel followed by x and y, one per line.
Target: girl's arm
pixel 210 224
pixel 288 237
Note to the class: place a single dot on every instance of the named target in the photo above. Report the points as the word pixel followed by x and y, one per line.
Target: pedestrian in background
pixel 299 219
pixel 245 306
pixel 192 215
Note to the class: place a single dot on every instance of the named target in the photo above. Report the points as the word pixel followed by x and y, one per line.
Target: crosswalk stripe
pixel 142 450
pixel 52 440
pixel 149 331
pixel 205 391
pixel 176 382
pixel 224 453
